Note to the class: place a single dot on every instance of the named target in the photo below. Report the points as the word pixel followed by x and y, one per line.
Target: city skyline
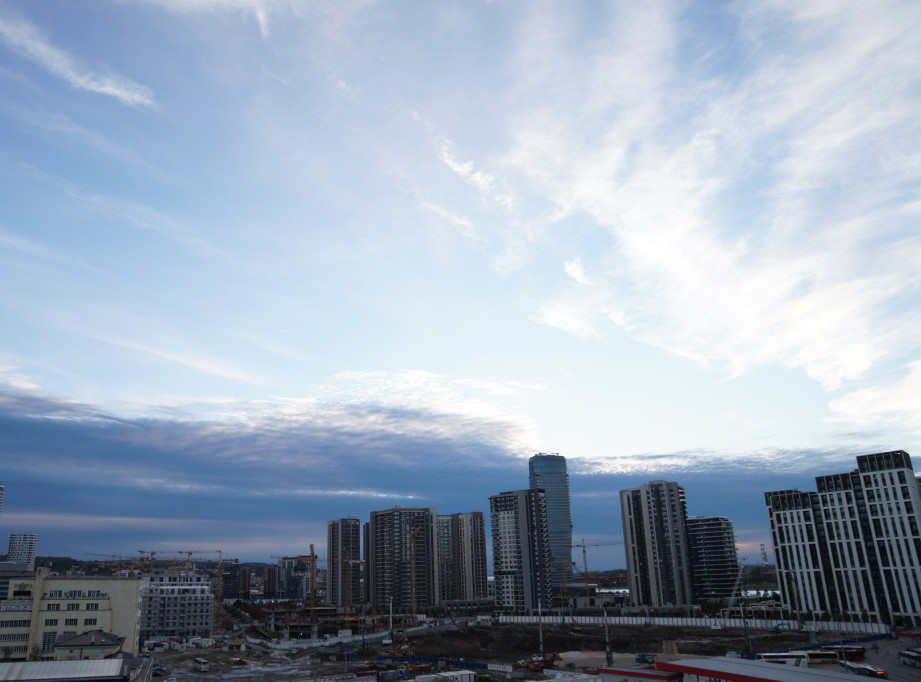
pixel 265 265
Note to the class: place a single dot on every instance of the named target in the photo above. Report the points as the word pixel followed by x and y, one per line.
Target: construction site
pixel 490 650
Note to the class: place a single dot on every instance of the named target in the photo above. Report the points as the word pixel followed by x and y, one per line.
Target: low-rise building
pixel 38 608
pixel 91 645
pixel 105 670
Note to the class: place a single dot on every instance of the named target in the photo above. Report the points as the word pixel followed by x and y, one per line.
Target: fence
pixel 710 623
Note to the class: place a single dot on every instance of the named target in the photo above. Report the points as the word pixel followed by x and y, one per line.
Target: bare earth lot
pixel 580 648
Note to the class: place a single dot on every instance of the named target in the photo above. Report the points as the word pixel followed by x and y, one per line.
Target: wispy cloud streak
pixel 765 218
pixel 28 41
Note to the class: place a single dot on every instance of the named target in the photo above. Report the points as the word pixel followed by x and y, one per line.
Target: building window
pixel 54 607
pixel 15 623
pixel 14 637
pixel 73 607
pixel 70 621
pixel 89 621
pixel 92 607
pixel 48 640
pixel 51 622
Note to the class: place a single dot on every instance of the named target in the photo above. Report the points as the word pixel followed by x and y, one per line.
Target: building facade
pixel 343 553
pixel 401 558
pixel 521 550
pixel 656 544
pixel 22 549
pixel 235 583
pixel 853 547
pixel 713 557
pixel 270 582
pixel 547 471
pixel 176 605
pixel 294 576
pixel 462 574
pixel 39 608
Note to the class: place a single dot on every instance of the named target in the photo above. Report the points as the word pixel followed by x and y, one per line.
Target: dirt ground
pixel 511 643
pixel 580 649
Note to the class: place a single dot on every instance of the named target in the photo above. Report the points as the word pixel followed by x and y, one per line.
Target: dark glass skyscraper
pixel 548 473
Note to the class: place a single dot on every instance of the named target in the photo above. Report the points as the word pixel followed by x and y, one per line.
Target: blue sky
pixel 265 264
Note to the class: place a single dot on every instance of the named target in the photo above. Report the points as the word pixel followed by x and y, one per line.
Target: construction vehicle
pixel 537 663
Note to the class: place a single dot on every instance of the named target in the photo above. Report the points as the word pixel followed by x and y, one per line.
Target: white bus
pixel 201 665
pixel 797 658
pixel 911 657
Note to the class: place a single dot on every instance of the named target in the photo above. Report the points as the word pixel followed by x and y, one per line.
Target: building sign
pixel 15 607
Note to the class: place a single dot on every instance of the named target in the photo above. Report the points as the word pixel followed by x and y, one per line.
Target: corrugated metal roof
pixel 744 670
pixel 61 670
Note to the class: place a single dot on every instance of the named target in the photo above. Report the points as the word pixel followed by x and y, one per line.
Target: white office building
pixel 22 549
pixel 853 547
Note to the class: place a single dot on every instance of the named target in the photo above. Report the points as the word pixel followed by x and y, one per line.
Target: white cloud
pixel 574 269
pixel 762 220
pixel 464 226
pixel 574 316
pixel 17 244
pixel 484 182
pixel 28 41
pixel 895 404
pixel 260 10
pixel 10 375
pixel 196 361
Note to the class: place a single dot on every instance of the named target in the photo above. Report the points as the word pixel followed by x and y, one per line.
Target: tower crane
pixel 118 559
pixel 585 557
pixel 311 560
pixel 564 564
pixel 220 574
pixel 219 587
pixel 188 555
pixel 150 559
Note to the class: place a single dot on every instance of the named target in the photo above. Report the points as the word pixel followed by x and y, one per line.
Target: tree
pixel 35 653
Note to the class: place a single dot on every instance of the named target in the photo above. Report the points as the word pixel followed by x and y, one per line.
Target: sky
pixel 264 264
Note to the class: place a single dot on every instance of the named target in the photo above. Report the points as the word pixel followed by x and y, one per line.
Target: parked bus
pixel 849 652
pixel 201 665
pixel 797 658
pixel 911 657
pixel 820 656
pixel 862 669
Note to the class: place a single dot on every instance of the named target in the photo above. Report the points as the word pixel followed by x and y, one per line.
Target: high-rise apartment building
pixel 854 546
pixel 294 578
pixel 270 582
pixel 462 576
pixel 22 549
pixel 656 544
pixel 521 550
pixel 401 559
pixel 343 553
pixel 547 471
pixel 713 557
pixel 235 583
